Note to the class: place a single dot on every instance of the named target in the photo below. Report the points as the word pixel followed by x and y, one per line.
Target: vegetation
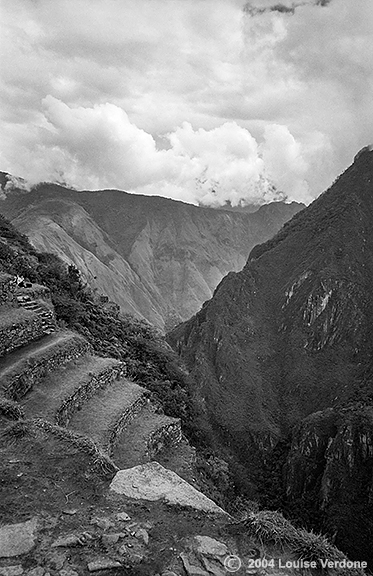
pixel 150 361
pixel 10 409
pixel 23 428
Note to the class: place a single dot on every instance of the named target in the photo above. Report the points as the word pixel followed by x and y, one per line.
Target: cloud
pixel 141 94
pixel 100 147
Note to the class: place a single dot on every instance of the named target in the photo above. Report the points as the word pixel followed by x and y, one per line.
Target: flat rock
pixel 210 547
pixel 11 570
pixel 17 539
pixel 104 564
pixel 109 539
pixel 66 541
pixel 153 482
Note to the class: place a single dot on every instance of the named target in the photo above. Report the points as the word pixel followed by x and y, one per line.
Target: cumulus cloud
pixel 200 101
pixel 100 147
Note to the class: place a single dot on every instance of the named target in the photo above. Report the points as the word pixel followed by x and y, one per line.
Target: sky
pixel 205 101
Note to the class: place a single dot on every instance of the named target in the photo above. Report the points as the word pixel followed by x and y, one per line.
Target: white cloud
pixel 90 88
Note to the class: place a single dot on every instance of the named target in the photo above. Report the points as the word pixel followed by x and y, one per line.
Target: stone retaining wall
pixel 8 285
pixel 18 383
pixel 35 292
pixel 86 391
pixel 20 332
pixel 126 417
pixel 165 436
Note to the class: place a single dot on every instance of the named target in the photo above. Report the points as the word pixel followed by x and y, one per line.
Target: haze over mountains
pixel 157 258
pixel 281 359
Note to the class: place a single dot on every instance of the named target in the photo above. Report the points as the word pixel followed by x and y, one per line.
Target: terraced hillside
pixel 55 375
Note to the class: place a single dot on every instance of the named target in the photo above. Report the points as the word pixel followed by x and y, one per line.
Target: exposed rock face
pixel 157 258
pixel 331 456
pixel 290 335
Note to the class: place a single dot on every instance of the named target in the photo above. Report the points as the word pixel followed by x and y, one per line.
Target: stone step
pixel 19 327
pixel 59 395
pixel 148 434
pixel 25 367
pixel 105 416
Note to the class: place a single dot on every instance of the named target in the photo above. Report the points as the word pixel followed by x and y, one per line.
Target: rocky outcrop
pixel 157 258
pixel 331 457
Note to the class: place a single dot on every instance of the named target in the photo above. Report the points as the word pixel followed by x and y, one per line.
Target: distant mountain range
pixel 157 258
pixel 282 363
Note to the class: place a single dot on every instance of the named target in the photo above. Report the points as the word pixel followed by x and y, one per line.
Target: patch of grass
pixel 17 430
pixel 11 410
pixel 101 461
pixel 270 528
pixel 314 547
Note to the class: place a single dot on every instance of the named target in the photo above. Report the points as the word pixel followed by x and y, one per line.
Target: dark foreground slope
pixel 157 258
pixel 283 353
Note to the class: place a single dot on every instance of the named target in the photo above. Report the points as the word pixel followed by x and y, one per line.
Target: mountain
pixel 95 475
pixel 157 258
pixel 281 359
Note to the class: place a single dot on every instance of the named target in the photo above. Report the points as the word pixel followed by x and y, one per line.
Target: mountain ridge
pixel 157 258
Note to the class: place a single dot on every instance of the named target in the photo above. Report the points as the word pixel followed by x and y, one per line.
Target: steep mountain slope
pixel 291 335
pixel 71 413
pixel 157 258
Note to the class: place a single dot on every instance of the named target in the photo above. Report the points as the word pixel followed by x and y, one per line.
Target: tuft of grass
pixel 10 409
pixel 270 527
pixel 314 547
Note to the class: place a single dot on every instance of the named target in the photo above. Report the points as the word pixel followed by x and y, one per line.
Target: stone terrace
pixel 55 376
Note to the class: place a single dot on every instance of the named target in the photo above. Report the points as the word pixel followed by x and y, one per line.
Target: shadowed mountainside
pixel 157 258
pixel 290 336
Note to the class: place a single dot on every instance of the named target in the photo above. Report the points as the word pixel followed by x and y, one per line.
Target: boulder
pixel 153 482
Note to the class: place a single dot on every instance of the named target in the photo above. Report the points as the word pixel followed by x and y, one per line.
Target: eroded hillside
pixel 157 258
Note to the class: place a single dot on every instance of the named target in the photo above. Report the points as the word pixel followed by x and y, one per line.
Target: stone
pixel 143 535
pixel 123 517
pixel 70 511
pixel 210 547
pixel 190 569
pixel 104 564
pixel 103 523
pixel 152 482
pixel 108 539
pixel 38 571
pixel 11 570
pixel 57 559
pixel 71 540
pixel 17 539
pixel 68 572
pixel 214 567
